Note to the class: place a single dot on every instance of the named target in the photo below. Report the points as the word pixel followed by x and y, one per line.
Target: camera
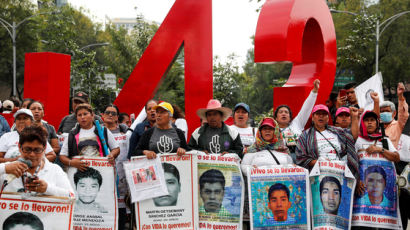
pixel 30 179
pixel 403 181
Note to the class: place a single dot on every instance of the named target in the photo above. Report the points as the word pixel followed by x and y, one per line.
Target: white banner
pixel 221 191
pixel 35 213
pixel 332 188
pixel 145 178
pixel 279 197
pixel 178 209
pixel 373 84
pixel 96 204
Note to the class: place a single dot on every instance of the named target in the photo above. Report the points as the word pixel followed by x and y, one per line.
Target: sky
pixel 234 21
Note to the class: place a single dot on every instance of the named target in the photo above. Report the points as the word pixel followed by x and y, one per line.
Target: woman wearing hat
pixel 291 127
pixel 326 142
pixel 9 142
pixel 163 137
pixel 344 120
pixel 267 138
pixel 215 136
pixel 240 118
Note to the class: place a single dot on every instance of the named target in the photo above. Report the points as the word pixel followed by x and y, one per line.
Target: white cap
pixel 24 111
pixel 8 104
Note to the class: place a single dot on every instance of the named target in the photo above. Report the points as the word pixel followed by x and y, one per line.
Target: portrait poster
pixel 221 191
pixel 178 209
pixel 145 178
pixel 96 205
pixel 378 206
pixel 278 197
pixel 35 212
pixel 332 188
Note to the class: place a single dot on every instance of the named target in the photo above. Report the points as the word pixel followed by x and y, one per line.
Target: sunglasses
pixel 112 113
pixel 28 150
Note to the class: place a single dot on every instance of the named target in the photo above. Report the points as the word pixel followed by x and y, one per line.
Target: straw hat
pixel 216 105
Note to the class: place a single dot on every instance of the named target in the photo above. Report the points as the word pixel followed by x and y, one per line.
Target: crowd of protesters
pixel 287 137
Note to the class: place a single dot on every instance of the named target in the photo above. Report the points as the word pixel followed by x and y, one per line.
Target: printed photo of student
pixel 173 185
pixel 330 194
pixel 279 204
pixel 212 191
pixel 88 184
pixel 23 221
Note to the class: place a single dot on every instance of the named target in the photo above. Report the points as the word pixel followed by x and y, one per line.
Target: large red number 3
pixel 301 32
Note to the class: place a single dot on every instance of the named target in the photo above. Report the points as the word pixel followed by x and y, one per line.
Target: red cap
pixel 268 121
pixel 320 107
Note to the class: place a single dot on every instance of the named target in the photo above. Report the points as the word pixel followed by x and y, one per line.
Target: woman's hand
pixel 150 154
pixel 78 163
pixel 111 159
pixel 360 189
pixel 373 149
pixel 17 168
pixel 37 185
pixel 181 151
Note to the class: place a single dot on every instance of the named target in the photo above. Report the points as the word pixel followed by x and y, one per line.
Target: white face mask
pixel 386 117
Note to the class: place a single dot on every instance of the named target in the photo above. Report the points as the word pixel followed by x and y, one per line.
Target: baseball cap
pixel 9 105
pixel 267 121
pixel 243 105
pixel 342 110
pixel 165 105
pixel 320 107
pixel 81 96
pixel 24 111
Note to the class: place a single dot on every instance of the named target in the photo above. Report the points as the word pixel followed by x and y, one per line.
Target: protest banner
pixel 373 84
pixel 145 178
pixel 50 213
pixel 332 188
pixel 221 191
pixel 279 197
pixel 378 206
pixel 122 187
pixel 178 209
pixel 96 204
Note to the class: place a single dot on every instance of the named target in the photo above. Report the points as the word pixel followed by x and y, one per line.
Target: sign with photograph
pixel 279 197
pixel 179 208
pixel 332 186
pixel 96 204
pixel 35 213
pixel 378 207
pixel 145 178
pixel 221 191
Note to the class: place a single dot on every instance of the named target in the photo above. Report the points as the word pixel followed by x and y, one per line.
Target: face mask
pixel 386 117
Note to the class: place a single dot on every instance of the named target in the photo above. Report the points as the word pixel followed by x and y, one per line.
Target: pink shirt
pixel 395 128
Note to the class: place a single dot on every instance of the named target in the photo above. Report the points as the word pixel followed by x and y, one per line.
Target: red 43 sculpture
pixel 297 31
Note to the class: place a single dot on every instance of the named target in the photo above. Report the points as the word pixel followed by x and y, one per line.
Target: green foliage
pixel 226 81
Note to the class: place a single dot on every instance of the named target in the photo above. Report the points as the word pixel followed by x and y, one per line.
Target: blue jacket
pixel 136 135
pixel 4 126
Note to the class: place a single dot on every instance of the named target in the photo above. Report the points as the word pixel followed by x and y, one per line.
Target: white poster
pixel 43 213
pixel 221 191
pixel 332 188
pixel 178 209
pixel 145 178
pixel 96 204
pixel 373 84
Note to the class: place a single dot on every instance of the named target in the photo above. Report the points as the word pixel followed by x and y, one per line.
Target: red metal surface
pixel 188 24
pixel 301 32
pixel 47 79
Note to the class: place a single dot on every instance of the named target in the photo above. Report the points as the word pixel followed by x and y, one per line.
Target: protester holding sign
pixel 292 128
pixel 269 148
pixel 162 138
pixel 9 149
pixel 327 142
pixel 215 136
pixel 84 140
pixel 42 176
pixel 377 192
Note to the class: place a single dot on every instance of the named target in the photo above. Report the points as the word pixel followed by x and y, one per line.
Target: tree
pixel 226 81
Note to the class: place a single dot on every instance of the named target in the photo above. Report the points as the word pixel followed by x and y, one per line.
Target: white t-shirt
pixel 88 143
pixel 264 158
pixel 122 187
pixel 404 148
pixel 325 149
pixel 246 134
pixel 362 144
pixel 9 143
pixel 181 124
